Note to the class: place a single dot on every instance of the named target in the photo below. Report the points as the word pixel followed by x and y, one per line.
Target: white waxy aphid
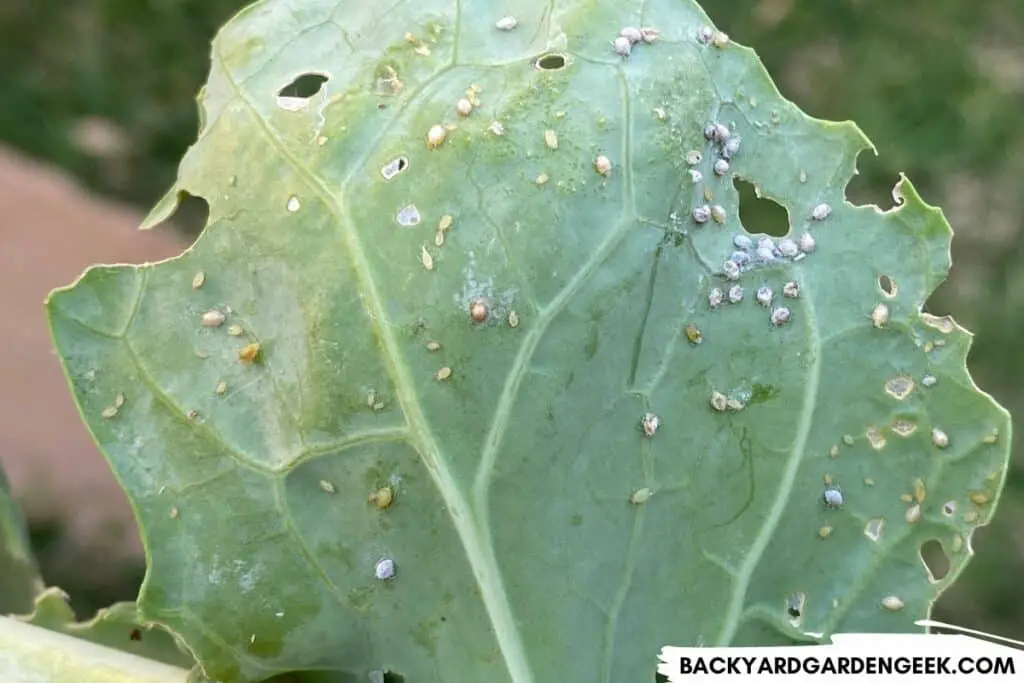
pixel 408 216
pixel 940 438
pixel 696 176
pixel 542 179
pixel 213 318
pixel 929 381
pixel 701 214
pixel 603 166
pixel 198 280
pixel 735 294
pixel 892 603
pixel 806 243
pixel 913 514
pixel 880 315
pixel 436 136
pixel 513 319
pixel 731 148
pixel 496 128
pixel 631 34
pixel 721 167
pixel 551 139
pixel 742 242
pixel 394 167
pixel 235 330
pixel 649 35
pixel 721 40
pixel 765 254
pixel 714 298
pixel 791 290
pixel 740 258
pixel 764 295
pixel 709 131
pixel 731 270
pixel 766 243
pixel 722 132
pixel 718 214
pixel 719 401
pixel 788 247
pixel 650 424
pixel 506 23
pixel 327 486
pixel 821 212
pixel 705 34
pixel 385 569
pixel 641 496
pixel 780 316
pixel 833 497
pixel 464 107
pixel 694 157
pixel 622 46
pixel 293 204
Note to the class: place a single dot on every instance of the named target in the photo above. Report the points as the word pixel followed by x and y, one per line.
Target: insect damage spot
pixel 899 387
pixel 795 604
pixel 295 95
pixel 935 560
pixel 551 62
pixel 769 216
pixel 408 216
pixel 873 529
pixel 888 286
pixel 394 167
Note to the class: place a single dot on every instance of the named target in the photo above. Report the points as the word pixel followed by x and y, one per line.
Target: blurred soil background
pixel 97 107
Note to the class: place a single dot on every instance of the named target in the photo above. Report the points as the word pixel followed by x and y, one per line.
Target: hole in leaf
pixel 304 86
pixel 552 62
pixel 887 285
pixel 760 214
pixel 394 167
pixel 795 605
pixel 392 677
pixel 949 508
pixel 935 560
pixel 872 184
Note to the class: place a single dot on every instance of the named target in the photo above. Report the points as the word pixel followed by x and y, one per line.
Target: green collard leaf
pixel 465 304
pixel 19 573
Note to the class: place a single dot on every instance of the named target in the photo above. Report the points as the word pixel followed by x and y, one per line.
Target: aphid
pixel 906 497
pixel 198 280
pixel 478 310
pixel 293 204
pixel 764 295
pixel 731 148
pixel 714 298
pixel 892 603
pixel 381 498
pixel 740 258
pixel 496 128
pixel 464 107
pixel 833 496
pixel 868 481
pixel 919 490
pixel 880 315
pixel 327 486
pixel 718 214
pixel 696 176
pixel 213 318
pixel 705 34
pixel 833 451
pixel 443 374
pixel 693 334
pixel 433 345
pixel 765 255
pixel 806 243
pixel 780 316
pixel 694 157
pixel 439 239
pixel 719 401
pixel 791 290
pixel 649 35
pixel 422 50
pixel 742 242
pixel 991 438
pixel 551 139
pixel 235 330
pixel 445 224
pixel 603 166
pixel 192 414
pixel 650 424
pixel 721 132
pixel 119 401
pixel 821 212
pixel 734 405
pixel 513 319
pixel 631 34
pixel 385 569
pixel 701 214
pixel 108 412
pixel 788 247
pixel 249 353
pixel 660 114
pixel 721 40
pixel 173 513
pixel 929 381
pixel 641 496
pixel 735 294
pixel 731 270
pixel 721 167
pixel 622 46
pixel 436 136
pixel 542 179
pixel 408 216
pixel 506 23
pixel 709 131
pixel 913 514
pixel 940 438
pixel 824 532
pixel 221 388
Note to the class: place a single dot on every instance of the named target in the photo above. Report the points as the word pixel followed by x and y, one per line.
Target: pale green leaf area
pixel 19 573
pixel 518 554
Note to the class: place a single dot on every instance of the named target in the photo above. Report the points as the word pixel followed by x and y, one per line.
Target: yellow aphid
pixel 249 353
pixel 426 259
pixel 382 497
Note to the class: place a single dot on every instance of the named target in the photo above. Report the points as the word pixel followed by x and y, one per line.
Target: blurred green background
pixel 105 89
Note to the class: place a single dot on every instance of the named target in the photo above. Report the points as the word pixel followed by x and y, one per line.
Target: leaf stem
pixel 30 654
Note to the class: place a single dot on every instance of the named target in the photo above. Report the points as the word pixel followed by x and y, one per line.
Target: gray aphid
pixel 833 497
